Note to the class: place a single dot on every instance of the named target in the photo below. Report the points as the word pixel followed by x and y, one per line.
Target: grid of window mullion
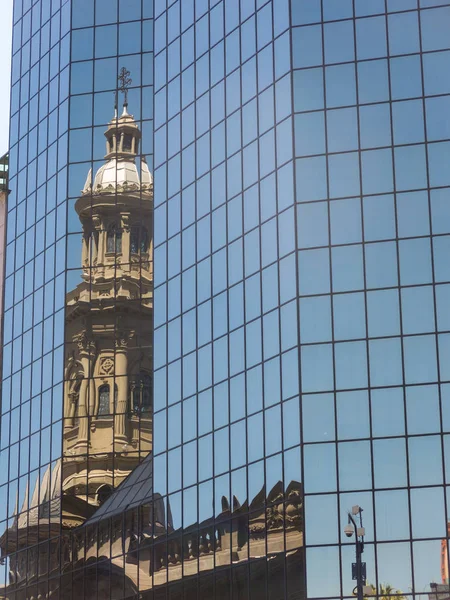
pixel 244 286
pixel 297 287
pixel 366 312
pixel 282 396
pixel 166 362
pixel 400 314
pixel 226 337
pixel 180 316
pixel 331 288
pixel 402 335
pixel 433 282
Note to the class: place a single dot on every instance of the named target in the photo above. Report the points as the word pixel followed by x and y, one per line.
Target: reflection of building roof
pixel 268 527
pixel 439 591
pixel 44 507
pixel 45 500
pixel 134 491
pixel 119 175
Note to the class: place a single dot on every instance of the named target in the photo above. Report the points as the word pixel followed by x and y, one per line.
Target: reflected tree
pixel 385 592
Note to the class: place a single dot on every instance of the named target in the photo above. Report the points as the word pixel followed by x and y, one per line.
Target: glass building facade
pixel 232 325
pixel 3 203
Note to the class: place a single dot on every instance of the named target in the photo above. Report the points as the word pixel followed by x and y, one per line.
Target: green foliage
pixel 385 592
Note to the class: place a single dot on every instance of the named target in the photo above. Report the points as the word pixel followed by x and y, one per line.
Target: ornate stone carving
pixel 84 343
pixel 106 366
pixel 97 222
pixel 126 222
pixel 122 339
pixel 73 396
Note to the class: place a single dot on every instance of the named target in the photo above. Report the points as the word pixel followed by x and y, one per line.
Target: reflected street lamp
pixel 358 567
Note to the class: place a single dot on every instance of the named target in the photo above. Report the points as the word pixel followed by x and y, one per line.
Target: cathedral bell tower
pixel 108 370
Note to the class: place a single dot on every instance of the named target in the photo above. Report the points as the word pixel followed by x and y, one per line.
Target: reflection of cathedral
pixel 136 552
pixel 108 369
pixel 109 535
pixel 107 397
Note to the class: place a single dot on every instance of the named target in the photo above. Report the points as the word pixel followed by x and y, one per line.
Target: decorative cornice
pixel 121 188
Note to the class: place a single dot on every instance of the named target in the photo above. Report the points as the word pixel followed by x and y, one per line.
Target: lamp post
pixel 358 567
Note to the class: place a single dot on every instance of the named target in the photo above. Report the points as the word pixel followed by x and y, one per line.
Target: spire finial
pixel 116 103
pixel 124 83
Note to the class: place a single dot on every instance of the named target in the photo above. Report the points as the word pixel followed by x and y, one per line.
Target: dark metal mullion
pixel 39 395
pixel 297 285
pixel 379 14
pixel 244 373
pixel 366 317
pixel 211 271
pixel 245 419
pixel 15 306
pixel 225 163
pixel 388 59
pixel 166 408
pixel 280 345
pixel 182 315
pixel 432 237
pixel 152 509
pixel 333 341
pixel 194 145
pixel 118 220
pixel 437 187
pixel 65 237
pixel 262 412
pixel 54 270
pixel 225 250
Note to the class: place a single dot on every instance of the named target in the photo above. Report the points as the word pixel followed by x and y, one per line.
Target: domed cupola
pixel 120 172
pixel 122 137
pixel 115 209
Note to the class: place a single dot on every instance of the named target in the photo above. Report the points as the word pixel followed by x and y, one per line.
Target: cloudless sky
pixel 5 69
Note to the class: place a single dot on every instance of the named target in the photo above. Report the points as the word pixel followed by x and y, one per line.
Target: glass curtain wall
pixel 108 367
pixel 77 371
pixel 227 455
pixel 301 330
pixel 323 324
pixel 371 145
pixel 33 352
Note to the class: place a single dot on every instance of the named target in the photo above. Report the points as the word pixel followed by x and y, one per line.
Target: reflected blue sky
pixel 5 53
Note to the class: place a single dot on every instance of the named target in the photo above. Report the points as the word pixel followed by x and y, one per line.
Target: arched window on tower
pixel 127 142
pixel 138 240
pixel 140 393
pixel 103 402
pixel 114 239
pixel 134 240
pixel 144 240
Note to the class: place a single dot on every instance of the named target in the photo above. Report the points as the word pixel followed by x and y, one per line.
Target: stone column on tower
pixel 126 241
pixel 87 351
pixel 99 227
pixel 121 372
